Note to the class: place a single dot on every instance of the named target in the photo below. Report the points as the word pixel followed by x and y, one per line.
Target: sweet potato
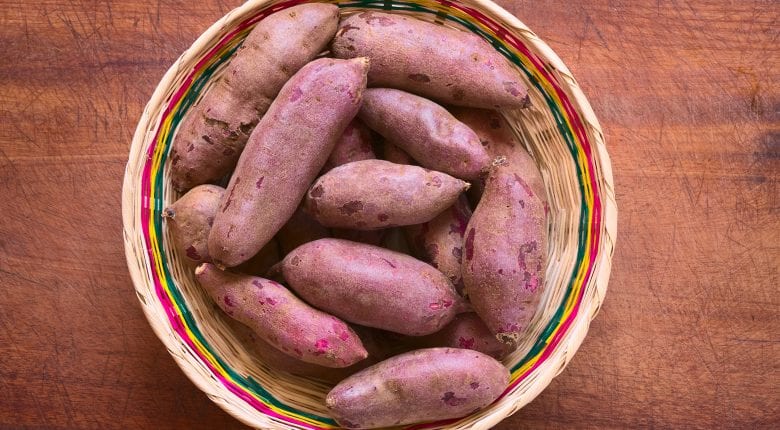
pixel 505 254
pixel 285 153
pixel 355 144
pixel 213 134
pixel 299 229
pixel 499 141
pixel 426 131
pixel 424 385
pixel 439 242
pixel 436 62
pixel 372 194
pixel 466 331
pixel 190 217
pixel 372 286
pixel 276 359
pixel 281 319
pixel 272 357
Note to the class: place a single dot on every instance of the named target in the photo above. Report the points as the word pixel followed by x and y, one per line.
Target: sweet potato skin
pixel 285 153
pixel 499 140
pixel 426 131
pixel 372 286
pixel 505 254
pixel 281 319
pixel 212 136
pixel 278 360
pixel 439 242
pixel 273 357
pixel 440 63
pixel 355 144
pixel 373 194
pixel 189 218
pixel 424 385
pixel 466 331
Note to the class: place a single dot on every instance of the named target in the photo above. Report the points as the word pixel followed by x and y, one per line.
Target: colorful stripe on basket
pixel 569 124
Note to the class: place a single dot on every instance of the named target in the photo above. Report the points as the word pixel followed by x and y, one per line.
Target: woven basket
pixel 560 131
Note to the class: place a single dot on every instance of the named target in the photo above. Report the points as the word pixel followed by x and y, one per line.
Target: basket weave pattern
pixel 560 131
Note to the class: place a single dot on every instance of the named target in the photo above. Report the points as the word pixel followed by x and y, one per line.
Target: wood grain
pixel 687 93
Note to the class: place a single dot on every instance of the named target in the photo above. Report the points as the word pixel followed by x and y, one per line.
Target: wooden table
pixel 687 93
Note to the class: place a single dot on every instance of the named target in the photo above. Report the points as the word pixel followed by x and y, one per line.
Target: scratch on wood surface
pixel 754 340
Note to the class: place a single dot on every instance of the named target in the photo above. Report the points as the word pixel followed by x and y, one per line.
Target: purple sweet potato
pixel 282 319
pixel 373 194
pixel 466 331
pixel 426 131
pixel 190 217
pixel 434 61
pixel 276 359
pixel 425 385
pixel 213 134
pixel 299 229
pixel 505 254
pixel 285 153
pixel 372 286
pixel 272 357
pixel 355 144
pixel 499 141
pixel 439 241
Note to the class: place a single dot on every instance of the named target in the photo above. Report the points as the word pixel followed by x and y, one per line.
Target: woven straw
pixel 560 131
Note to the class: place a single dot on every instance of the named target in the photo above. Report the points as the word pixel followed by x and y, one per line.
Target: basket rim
pixel 602 266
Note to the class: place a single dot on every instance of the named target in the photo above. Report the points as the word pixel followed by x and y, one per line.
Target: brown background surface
pixel 687 93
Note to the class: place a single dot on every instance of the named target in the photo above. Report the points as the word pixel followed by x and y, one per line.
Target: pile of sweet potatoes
pixel 344 247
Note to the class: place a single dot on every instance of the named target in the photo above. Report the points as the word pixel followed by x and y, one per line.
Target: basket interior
pixel 560 137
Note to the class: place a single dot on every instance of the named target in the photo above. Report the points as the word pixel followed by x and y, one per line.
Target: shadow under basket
pixel 559 130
